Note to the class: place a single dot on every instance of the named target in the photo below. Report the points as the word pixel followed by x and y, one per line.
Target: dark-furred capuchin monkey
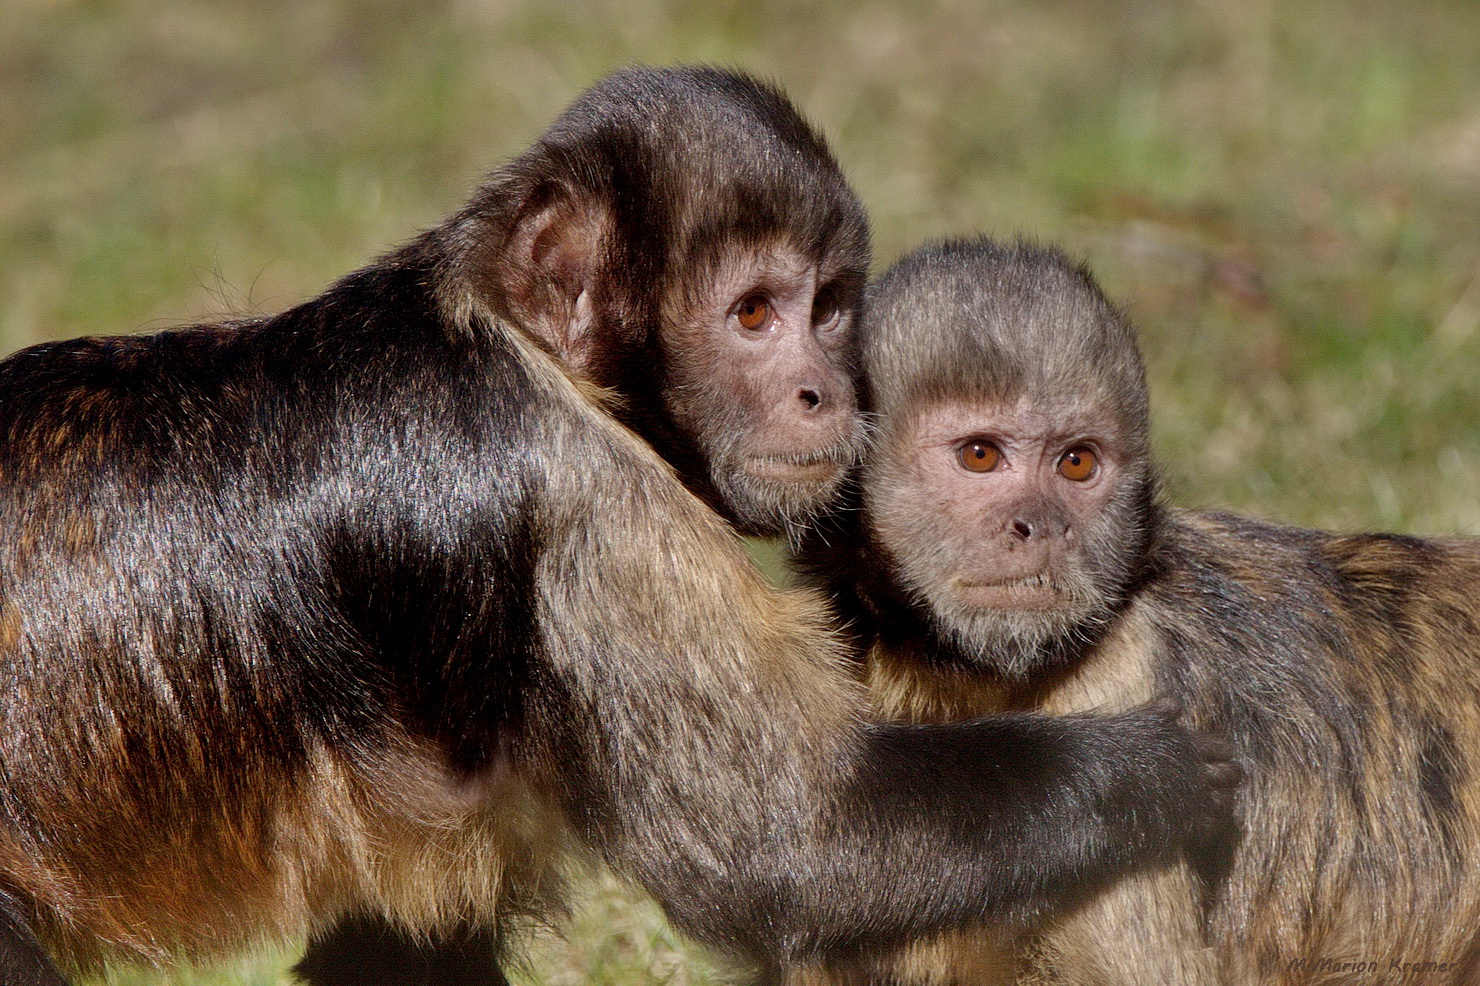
pixel 366 611
pixel 1008 551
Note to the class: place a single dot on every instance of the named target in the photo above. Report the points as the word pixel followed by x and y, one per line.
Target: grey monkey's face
pixel 1006 522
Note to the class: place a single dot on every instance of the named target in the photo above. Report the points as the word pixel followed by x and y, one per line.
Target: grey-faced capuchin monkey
pixel 1007 550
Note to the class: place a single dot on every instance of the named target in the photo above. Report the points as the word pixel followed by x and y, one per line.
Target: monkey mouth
pixel 1035 591
pixel 793 469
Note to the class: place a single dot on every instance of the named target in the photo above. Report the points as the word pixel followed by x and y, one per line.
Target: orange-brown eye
pixel 1078 464
pixel 979 456
pixel 754 312
pixel 824 306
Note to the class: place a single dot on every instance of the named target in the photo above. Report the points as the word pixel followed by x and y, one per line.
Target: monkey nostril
pixel 1023 529
pixel 811 398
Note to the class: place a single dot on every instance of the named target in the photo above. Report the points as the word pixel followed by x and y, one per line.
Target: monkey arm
pixel 701 733
pixel 819 843
pixel 1033 812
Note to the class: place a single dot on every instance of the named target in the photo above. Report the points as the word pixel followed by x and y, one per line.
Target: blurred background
pixel 1286 196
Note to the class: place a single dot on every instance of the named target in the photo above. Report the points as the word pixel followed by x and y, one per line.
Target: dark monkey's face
pixel 684 238
pixel 762 375
pixel 1009 489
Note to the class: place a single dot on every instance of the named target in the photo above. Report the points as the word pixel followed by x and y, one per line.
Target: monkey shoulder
pixel 1210 552
pixel 1206 556
pixel 1268 625
pixel 1244 609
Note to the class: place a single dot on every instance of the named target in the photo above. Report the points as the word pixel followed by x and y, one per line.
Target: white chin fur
pixel 1018 642
pixel 771 507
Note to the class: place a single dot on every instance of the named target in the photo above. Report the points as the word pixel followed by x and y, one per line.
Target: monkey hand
pixel 1170 787
pixel 1045 809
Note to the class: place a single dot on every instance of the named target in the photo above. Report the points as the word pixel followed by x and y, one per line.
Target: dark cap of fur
pixel 686 162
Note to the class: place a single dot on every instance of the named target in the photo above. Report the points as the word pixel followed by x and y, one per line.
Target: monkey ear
pixel 555 252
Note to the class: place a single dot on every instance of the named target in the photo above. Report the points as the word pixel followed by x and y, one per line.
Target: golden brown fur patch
pixel 391 834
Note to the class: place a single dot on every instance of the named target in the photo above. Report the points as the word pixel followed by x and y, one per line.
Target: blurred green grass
pixel 1286 196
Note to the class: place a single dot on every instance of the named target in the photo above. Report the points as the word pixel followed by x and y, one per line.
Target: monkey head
pixel 684 238
pixel 1009 492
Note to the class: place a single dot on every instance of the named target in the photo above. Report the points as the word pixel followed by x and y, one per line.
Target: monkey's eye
pixel 979 456
pixel 1078 464
pixel 825 307
pixel 754 312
